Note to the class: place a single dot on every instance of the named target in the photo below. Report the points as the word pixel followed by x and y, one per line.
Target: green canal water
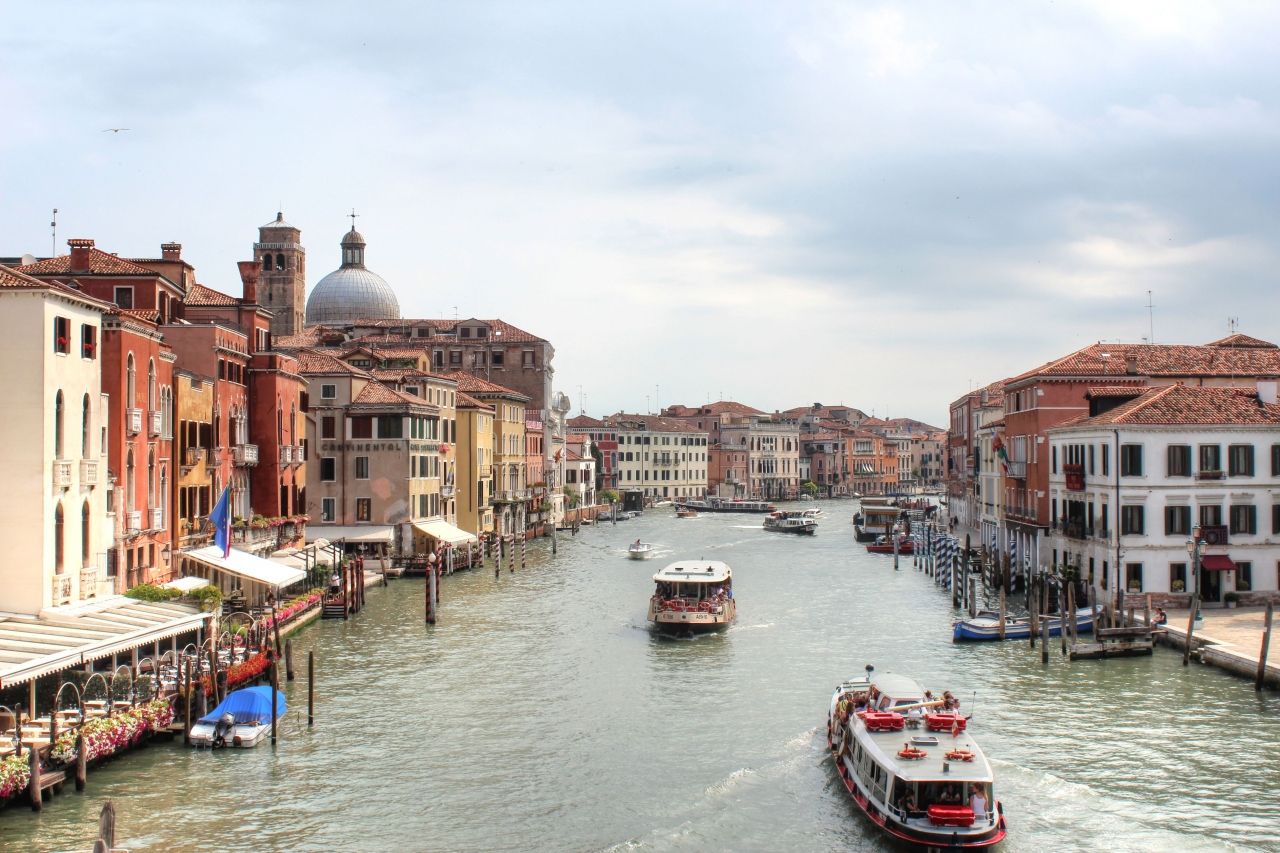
pixel 542 713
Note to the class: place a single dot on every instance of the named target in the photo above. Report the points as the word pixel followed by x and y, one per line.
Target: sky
pixel 881 205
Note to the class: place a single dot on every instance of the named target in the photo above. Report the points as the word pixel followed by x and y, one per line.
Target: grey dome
pixel 351 292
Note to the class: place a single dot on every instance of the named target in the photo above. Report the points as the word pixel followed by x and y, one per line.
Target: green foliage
pixel 609 496
pixel 809 487
pixel 147 592
pixel 210 597
pixel 544 507
pixel 571 496
pixel 1231 597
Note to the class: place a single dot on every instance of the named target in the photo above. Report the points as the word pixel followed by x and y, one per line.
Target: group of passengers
pixel 948 795
pixel 666 596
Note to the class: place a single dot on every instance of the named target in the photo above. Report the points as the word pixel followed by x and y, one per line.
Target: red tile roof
pixel 398 374
pixel 510 334
pixel 311 336
pixel 1161 360
pixel 1240 341
pixel 652 423
pixel 466 401
pixel 585 422
pixel 200 295
pixel 311 361
pixel 11 278
pixel 1180 404
pixel 474 385
pixel 100 263
pixel 375 393
pixel 396 350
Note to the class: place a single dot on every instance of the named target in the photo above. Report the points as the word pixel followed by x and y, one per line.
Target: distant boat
pixel 884 545
pixel 791 522
pixel 640 551
pixel 243 719
pixel 685 512
pixel 722 505
pixel 986 626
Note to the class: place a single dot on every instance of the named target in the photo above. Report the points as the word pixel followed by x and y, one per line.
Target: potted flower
pixel 1179 586
pixel 1231 599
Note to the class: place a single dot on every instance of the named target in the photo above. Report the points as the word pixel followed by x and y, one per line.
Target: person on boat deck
pixel 949 796
pixel 949 702
pixel 907 804
pixel 859 703
pixel 637 543
pixel 978 802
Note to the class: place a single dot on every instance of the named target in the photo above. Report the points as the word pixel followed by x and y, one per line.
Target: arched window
pixel 151 480
pixel 279 262
pixel 59 542
pixel 266 262
pixel 130 386
pixel 84 429
pixel 279 423
pixel 84 534
pixel 151 385
pixel 58 418
pixel 128 484
pixel 164 497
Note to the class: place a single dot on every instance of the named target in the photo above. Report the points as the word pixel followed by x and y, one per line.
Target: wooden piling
pixel 275 689
pixel 973 597
pixel 311 688
pixel 33 786
pixel 1034 624
pixel 1266 645
pixel 1071 613
pixel 107 824
pixel 1044 641
pixel 431 596
pixel 82 763
pixel 1191 626
pixel 1002 610
pixel 288 659
pixel 186 720
pixel 1063 597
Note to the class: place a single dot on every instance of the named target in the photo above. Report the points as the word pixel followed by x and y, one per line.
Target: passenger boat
pixel 243 719
pixel 640 550
pixel 874 520
pixel 693 596
pixel 686 512
pixel 791 522
pixel 722 505
pixel 884 545
pixel 986 626
pixel 909 752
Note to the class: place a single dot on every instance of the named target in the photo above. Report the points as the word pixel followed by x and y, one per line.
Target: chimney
pixel 1131 365
pixel 1266 390
pixel 80 254
pixel 249 277
pixel 171 251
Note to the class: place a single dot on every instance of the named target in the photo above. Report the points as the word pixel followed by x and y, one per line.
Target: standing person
pixel 978 802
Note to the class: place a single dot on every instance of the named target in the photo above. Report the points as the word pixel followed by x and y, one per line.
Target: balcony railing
pixel 89 582
pixel 1214 534
pixel 192 455
pixel 157 518
pixel 1073 529
pixel 510 495
pixel 61 589
pixel 286 454
pixel 446 491
pixel 1018 470
pixel 299 455
pixel 62 474
pixel 210 458
pixel 245 454
pixel 155 423
pixel 1210 475
pixel 133 521
pixel 133 421
pixel 88 472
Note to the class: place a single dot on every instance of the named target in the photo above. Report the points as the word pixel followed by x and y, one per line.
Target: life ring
pixel 908 751
pixel 959 755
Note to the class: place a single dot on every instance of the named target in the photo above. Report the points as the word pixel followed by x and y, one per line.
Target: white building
pixel 663 457
pixel 1150 469
pixel 578 468
pixel 52 447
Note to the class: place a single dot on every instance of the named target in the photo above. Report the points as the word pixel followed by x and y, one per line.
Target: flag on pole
pixel 998 446
pixel 221 518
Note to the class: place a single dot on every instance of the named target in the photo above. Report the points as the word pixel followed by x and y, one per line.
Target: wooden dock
pixel 1115 643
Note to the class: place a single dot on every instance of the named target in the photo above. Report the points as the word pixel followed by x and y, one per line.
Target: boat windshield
pixel 693 591
pixel 912 800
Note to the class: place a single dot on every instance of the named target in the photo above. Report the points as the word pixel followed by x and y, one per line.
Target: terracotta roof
pixel 466 401
pixel 475 385
pixel 1163 360
pixel 576 438
pixel 717 408
pixel 573 457
pixel 311 361
pixel 1240 341
pixel 396 350
pixel 652 423
pixel 201 295
pixel 1128 391
pixel 510 334
pixel 375 393
pixel 821 435
pixel 100 263
pixel 11 278
pixel 1187 405
pixel 398 374
pixel 584 422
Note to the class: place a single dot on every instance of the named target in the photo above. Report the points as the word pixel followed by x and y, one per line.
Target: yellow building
pixel 511 493
pixel 197 461
pixel 474 455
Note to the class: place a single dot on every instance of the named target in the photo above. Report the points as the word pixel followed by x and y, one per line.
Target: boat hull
pixel 806 530
pixel 243 735
pixel 903 548
pixel 640 555
pixel 1020 629
pixel 682 622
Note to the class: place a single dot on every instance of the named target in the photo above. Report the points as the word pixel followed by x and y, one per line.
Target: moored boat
pixel 242 719
pixel 884 545
pixel 986 626
pixel 722 505
pixel 639 550
pixel 693 596
pixel 918 775
pixel 875 518
pixel 791 522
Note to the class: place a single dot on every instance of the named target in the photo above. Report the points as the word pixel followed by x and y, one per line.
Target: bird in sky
pixel 114 129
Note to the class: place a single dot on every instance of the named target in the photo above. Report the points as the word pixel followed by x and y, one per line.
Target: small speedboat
pixel 242 719
pixel 986 626
pixel 791 522
pixel 639 550
pixel 884 545
pixel 685 512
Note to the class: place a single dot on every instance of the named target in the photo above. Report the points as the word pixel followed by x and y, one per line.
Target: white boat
pixel 916 773
pixel 791 522
pixel 986 625
pixel 242 719
pixel 640 550
pixel 805 496
pixel 686 512
pixel 693 596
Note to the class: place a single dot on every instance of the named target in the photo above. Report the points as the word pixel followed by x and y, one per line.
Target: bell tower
pixel 282 276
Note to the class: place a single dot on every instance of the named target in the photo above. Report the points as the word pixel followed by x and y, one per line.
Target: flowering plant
pixel 241 672
pixel 14 776
pixel 109 735
pixel 293 608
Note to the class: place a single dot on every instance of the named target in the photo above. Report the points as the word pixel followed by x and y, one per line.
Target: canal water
pixel 542 713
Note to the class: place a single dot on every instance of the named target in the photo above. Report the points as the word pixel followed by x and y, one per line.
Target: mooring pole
pixel 186 722
pixel 1044 641
pixel 311 688
pixel 288 659
pixel 431 595
pixel 33 786
pixel 82 762
pixel 1266 645
pixel 275 692
pixel 1191 626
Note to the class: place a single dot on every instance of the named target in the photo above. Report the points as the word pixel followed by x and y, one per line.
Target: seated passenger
pixel 908 805
pixel 949 796
pixel 978 802
pixel 859 703
pixel 1161 618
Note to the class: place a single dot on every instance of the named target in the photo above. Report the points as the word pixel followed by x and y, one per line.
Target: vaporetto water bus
pixel 693 596
pixel 722 505
pixel 791 522
pixel 916 772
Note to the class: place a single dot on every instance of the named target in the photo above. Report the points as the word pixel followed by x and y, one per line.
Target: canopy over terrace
pixel 252 575
pixel 442 531
pixel 64 637
pixel 354 535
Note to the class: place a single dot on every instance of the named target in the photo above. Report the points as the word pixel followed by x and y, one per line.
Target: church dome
pixel 351 292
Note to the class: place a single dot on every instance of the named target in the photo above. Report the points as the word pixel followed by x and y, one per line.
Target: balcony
pixel 88 472
pixel 157 518
pixel 1018 470
pixel 1073 529
pixel 299 455
pixel 446 491
pixel 133 522
pixel 155 423
pixel 1214 534
pixel 244 454
pixel 89 582
pixel 133 421
pixel 210 458
pixel 286 454
pixel 512 495
pixel 61 590
pixel 191 456
pixel 1210 475
pixel 62 474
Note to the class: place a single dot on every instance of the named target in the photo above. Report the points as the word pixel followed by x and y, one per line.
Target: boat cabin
pixel 693 595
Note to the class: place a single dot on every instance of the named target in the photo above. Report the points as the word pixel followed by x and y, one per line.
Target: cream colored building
pixel 474 460
pixel 663 457
pixel 53 507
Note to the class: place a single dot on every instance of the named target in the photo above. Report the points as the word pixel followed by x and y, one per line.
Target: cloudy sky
pixel 783 203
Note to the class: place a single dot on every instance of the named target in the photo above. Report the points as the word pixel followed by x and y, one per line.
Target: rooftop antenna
pixel 582 410
pixel 646 404
pixel 1151 317
pixel 53 243
pixel 657 401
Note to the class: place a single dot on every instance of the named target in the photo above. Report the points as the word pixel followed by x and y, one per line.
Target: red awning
pixel 1217 563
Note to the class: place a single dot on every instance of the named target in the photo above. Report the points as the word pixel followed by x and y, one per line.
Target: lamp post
pixel 1195 550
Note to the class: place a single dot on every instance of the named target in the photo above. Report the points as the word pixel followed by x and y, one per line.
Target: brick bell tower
pixel 282 277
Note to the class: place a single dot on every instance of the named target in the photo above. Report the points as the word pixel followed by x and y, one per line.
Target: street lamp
pixel 1195 550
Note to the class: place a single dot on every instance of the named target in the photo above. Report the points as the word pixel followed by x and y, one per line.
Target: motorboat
pixel 986 626
pixel 806 496
pixel 639 550
pixel 242 719
pixel 686 512
pixel 915 771
pixel 735 505
pixel 884 545
pixel 790 522
pixel 693 596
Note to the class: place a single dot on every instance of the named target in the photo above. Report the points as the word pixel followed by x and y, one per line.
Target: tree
pixel 608 496
pixel 571 496
pixel 598 456
pixel 809 487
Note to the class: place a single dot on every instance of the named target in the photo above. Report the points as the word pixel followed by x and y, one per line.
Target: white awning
pixel 247 566
pixel 444 531
pixel 187 584
pixel 359 533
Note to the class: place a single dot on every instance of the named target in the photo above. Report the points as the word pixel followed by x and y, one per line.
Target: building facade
pixel 661 457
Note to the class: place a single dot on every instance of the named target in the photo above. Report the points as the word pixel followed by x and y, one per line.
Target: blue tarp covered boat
pixel 986 626
pixel 242 719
